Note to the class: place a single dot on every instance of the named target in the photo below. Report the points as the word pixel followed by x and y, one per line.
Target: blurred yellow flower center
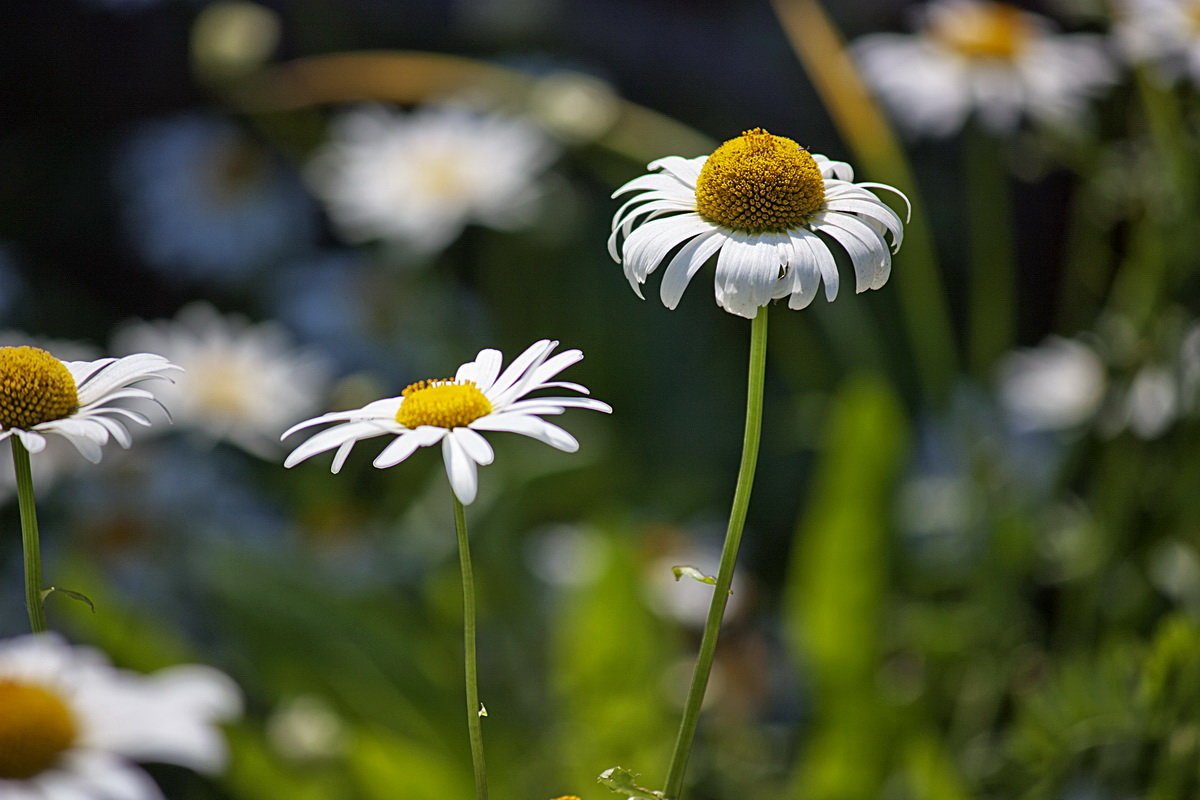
pixel 568 797
pixel 442 403
pixel 34 387
pixel 983 30
pixel 36 727
pixel 759 182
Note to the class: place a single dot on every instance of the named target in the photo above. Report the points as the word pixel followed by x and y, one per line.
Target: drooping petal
pixel 408 443
pixel 461 470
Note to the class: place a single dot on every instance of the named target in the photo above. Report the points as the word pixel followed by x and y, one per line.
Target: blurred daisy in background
pixel 241 382
pixel 994 59
pixel 453 411
pixel 1057 385
pixel 768 209
pixel 73 725
pixel 1166 32
pixel 201 201
pixel 417 179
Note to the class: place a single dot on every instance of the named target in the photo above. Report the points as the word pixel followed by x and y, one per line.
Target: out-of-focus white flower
pixel 1166 32
pixel 1152 402
pixel 993 59
pixel 1057 385
pixel 306 729
pixel 685 598
pixel 71 725
pixel 454 411
pixel 241 382
pixel 767 209
pixel 201 201
pixel 417 179
pixel 575 106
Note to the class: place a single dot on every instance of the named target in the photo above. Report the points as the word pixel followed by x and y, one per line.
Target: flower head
pixel 72 724
pixel 768 209
pixel 992 58
pixel 233 374
pixel 453 411
pixel 418 179
pixel 1166 32
pixel 40 394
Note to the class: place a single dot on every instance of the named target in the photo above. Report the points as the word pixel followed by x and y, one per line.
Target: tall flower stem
pixel 474 709
pixel 733 540
pixel 29 537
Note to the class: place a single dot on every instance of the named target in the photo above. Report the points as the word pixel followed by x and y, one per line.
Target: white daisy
pixel 417 179
pixel 72 724
pixel 1057 385
pixel 1162 31
pixel 768 209
pixel 40 395
pixel 453 411
pixel 991 58
pixel 242 383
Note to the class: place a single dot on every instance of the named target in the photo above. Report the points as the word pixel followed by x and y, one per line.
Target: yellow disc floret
pixel 758 183
pixel 443 403
pixel 34 387
pixel 984 30
pixel 36 727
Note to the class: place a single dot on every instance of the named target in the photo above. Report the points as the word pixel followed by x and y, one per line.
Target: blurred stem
pixel 993 276
pixel 474 709
pixel 865 130
pixel 733 539
pixel 29 537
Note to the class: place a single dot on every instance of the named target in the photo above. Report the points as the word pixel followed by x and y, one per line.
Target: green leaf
pixel 695 574
pixel 79 596
pixel 622 781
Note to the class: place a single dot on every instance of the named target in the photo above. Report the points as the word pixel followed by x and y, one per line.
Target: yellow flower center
pixel 34 387
pixel 759 182
pixel 36 727
pixel 568 797
pixel 442 403
pixel 983 30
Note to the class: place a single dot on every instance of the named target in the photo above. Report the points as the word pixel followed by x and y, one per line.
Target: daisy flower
pixel 40 395
pixel 454 411
pixel 1162 31
pixel 418 179
pixel 995 59
pixel 1057 385
pixel 769 210
pixel 73 724
pixel 232 372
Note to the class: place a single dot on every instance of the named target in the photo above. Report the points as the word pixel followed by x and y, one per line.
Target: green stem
pixel 733 539
pixel 473 706
pixel 993 271
pixel 29 537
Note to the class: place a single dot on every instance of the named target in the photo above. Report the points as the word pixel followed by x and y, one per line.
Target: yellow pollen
pixel 36 727
pixel 34 387
pixel 759 182
pixel 442 403
pixel 983 30
pixel 568 797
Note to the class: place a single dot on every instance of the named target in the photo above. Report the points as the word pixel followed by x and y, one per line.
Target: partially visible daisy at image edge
pixel 1166 32
pixel 73 725
pixel 768 210
pixel 417 179
pixel 231 372
pixel 989 58
pixel 41 395
pixel 454 411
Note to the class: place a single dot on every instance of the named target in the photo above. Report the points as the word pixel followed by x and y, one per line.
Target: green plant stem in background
pixel 29 537
pixel 733 539
pixel 993 275
pixel 474 709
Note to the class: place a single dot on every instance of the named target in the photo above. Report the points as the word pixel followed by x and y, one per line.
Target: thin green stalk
pixel 29 537
pixel 733 539
pixel 474 708
pixel 993 271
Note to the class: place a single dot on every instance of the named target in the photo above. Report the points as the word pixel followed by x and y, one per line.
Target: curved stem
pixel 29 537
pixel 474 708
pixel 733 539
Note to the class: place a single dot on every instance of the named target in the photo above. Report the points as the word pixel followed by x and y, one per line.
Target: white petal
pixel 460 469
pixel 334 437
pixel 407 443
pixel 474 445
pixel 686 263
pixel 532 427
